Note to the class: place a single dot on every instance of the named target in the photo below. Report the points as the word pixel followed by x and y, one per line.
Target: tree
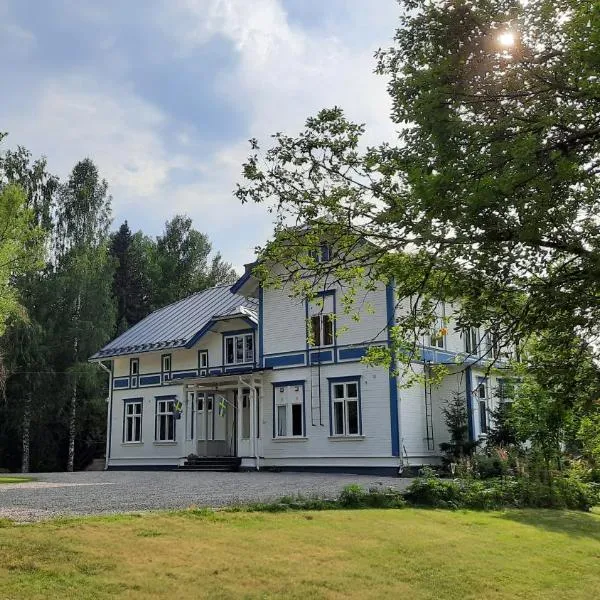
pixel 182 255
pixel 23 342
pixel 132 284
pixel 489 197
pixel 84 306
pixel 455 415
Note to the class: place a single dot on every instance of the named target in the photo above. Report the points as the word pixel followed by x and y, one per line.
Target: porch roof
pixel 222 382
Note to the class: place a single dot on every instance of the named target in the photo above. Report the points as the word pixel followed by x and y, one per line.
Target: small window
pixel 345 410
pixel 166 363
pixel 132 425
pixel 437 337
pixel 165 420
pixel 201 403
pixel 322 254
pixel 203 360
pixel 134 366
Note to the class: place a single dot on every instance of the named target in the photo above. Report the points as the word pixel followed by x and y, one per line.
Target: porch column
pixel 240 414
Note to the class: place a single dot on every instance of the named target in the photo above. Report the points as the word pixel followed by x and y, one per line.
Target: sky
pixel 164 95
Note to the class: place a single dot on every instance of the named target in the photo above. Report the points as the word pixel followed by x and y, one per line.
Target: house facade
pixel 232 372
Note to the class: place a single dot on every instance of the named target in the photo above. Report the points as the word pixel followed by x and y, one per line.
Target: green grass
pixel 409 553
pixel 4 479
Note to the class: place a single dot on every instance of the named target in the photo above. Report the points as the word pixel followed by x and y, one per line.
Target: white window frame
pixel 471 339
pixel 165 409
pixel 136 418
pixel 317 341
pixel 288 430
pixel 344 401
pixel 247 356
pixel 435 339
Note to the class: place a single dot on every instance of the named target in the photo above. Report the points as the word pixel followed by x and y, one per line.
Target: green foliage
pixel 589 436
pixel 456 418
pixel 183 264
pixel 514 492
pixel 20 249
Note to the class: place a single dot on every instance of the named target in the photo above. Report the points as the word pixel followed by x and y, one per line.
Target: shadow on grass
pixel 574 524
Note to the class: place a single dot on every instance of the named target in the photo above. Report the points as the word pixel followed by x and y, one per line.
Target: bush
pixel 355 496
pixel 510 492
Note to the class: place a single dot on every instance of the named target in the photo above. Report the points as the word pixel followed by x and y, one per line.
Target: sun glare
pixel 506 39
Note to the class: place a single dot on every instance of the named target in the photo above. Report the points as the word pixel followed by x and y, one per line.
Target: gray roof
pixel 180 324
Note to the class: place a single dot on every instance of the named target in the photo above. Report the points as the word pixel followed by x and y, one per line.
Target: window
pixel 437 337
pixel 490 344
pixel 191 406
pixel 132 422
pixel 322 330
pixel 323 254
pixel 203 362
pixel 165 420
pixel 239 349
pixel 345 408
pixel 245 414
pixel 166 366
pixel 134 368
pixel 482 393
pixel 289 410
pixel 471 336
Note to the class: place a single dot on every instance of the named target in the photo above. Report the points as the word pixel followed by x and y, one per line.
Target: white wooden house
pixel 230 376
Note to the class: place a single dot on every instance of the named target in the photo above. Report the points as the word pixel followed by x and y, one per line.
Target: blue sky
pixel 163 95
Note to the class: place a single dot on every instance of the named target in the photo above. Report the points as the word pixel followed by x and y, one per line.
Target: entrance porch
pixel 222 415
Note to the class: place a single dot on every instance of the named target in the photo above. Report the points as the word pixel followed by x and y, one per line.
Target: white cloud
pixel 282 74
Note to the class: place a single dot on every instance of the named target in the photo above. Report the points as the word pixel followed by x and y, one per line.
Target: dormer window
pixel 239 349
pixel 322 255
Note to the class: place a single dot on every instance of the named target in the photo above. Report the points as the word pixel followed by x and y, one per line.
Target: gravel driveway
pixel 94 492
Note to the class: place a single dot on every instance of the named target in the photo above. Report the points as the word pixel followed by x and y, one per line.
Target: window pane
pixel 239 349
pixel 129 431
pixel 327 330
pixel 315 323
pixel 482 392
pixel 249 357
pixel 138 408
pixel 138 429
pixel 352 408
pixel 203 359
pixel 338 418
pixel 162 430
pixel 296 419
pixel 483 417
pixel 338 390
pixel 352 390
pixel 281 421
pixel 229 351
pixel 171 426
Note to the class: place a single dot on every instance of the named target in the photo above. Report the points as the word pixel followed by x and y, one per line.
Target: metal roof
pixel 175 325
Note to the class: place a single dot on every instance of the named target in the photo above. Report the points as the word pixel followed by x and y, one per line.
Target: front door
pixel 213 425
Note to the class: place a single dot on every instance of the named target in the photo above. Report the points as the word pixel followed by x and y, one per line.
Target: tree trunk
pixel 73 415
pixel 72 428
pixel 26 434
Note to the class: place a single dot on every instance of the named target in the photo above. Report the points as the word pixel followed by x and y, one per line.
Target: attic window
pixel 322 255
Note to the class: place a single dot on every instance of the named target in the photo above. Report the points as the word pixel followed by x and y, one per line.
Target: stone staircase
pixel 211 463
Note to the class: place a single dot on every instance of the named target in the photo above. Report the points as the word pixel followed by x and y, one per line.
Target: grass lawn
pixel 407 553
pixel 4 479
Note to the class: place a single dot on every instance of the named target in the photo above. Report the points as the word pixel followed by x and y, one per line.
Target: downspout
pixel 253 413
pixel 108 413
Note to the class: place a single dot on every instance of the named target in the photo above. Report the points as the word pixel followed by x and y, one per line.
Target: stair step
pixel 211 463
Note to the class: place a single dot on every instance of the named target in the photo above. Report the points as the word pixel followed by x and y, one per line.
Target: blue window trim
pixel 127 401
pixel 227 334
pixel 347 379
pixel 390 303
pixel 293 382
pixel 157 399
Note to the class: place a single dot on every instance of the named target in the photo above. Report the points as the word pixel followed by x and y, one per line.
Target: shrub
pixel 510 492
pixel 355 496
